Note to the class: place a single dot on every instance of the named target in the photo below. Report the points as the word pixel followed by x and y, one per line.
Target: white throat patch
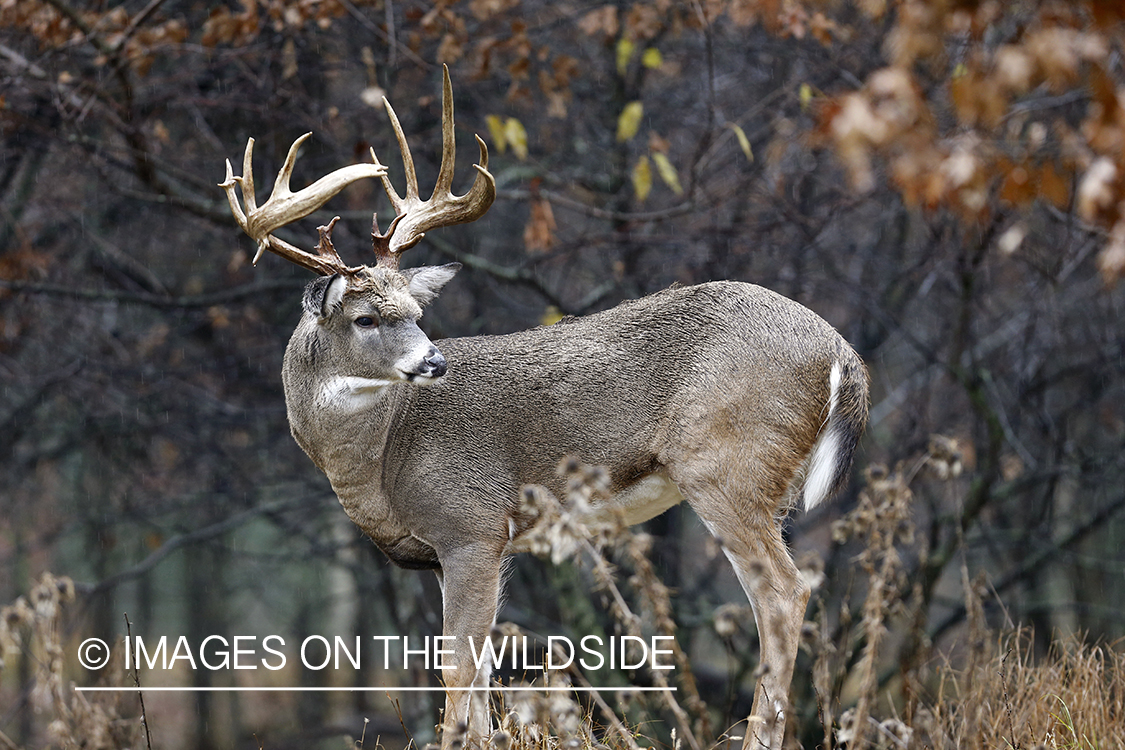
pixel 350 393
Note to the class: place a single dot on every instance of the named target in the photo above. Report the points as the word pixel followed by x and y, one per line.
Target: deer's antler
pixel 285 206
pixel 416 216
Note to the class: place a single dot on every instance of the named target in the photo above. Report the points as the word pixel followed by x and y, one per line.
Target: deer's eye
pixel 366 321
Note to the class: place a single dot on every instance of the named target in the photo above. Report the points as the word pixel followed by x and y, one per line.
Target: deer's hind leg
pixel 748 525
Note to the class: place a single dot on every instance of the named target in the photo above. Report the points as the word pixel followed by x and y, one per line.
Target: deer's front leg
pixel 470 587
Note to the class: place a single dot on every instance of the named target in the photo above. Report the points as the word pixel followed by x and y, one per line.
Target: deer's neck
pixel 343 423
pixel 356 420
pixel 348 420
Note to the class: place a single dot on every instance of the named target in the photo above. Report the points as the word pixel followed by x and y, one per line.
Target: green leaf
pixel 625 50
pixel 516 136
pixel 652 58
pixel 805 95
pixel 743 141
pixel 642 178
pixel 629 121
pixel 668 173
pixel 496 132
pixel 550 316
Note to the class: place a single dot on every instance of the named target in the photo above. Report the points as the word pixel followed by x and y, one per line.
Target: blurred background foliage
pixel 942 180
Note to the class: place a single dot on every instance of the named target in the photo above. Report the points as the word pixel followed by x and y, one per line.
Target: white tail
pixel 832 454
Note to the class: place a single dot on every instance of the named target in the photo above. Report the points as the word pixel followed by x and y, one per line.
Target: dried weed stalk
pixel 549 721
pixel 571 529
pixel 881 521
pixel 882 525
pixel 536 720
pixel 30 628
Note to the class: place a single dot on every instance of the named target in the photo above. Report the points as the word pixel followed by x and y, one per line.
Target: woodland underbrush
pixel 991 691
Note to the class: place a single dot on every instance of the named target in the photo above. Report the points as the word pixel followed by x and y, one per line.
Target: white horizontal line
pixel 367 689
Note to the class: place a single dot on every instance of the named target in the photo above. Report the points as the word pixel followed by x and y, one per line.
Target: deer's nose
pixel 433 365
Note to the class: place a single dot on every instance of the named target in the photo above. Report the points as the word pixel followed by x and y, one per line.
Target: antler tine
pixel 407 164
pixel 284 207
pixel 248 191
pixel 448 141
pixel 416 216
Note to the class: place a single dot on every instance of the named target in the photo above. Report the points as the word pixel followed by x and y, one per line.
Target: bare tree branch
pixel 182 540
pixel 244 293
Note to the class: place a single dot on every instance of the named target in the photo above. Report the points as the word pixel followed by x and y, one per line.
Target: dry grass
pixel 1074 699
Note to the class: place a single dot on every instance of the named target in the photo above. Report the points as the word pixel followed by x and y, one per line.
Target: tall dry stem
pixel 881 522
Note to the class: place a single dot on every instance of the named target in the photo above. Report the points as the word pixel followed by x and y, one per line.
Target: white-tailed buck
pixel 739 400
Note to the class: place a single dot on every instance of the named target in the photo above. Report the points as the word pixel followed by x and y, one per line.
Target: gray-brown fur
pixel 722 388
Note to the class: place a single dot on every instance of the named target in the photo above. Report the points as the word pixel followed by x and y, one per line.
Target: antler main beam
pixel 284 206
pixel 415 216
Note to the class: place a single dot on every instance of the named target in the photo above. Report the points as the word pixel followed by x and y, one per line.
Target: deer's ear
pixel 324 295
pixel 425 282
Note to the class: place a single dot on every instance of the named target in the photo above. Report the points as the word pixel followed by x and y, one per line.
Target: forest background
pixel 942 180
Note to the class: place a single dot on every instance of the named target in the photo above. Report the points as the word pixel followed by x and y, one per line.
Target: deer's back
pixel 628 388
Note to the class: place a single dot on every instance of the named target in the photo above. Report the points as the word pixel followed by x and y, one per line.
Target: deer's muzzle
pixel 433 365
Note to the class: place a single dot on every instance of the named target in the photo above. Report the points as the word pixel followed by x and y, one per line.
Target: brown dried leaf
pixel 601 20
pixel 556 104
pixel 643 22
pixel 539 234
pixel 288 60
pixel 1099 191
pixel 1107 12
pixel 1017 189
pixel 873 8
pixel 565 69
pixel 451 49
pixel 794 21
pixel 1111 261
pixel 823 28
pixel 485 9
pixel 520 69
pixel 1014 68
pixel 743 12
pixel 1054 187
pixel 977 99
